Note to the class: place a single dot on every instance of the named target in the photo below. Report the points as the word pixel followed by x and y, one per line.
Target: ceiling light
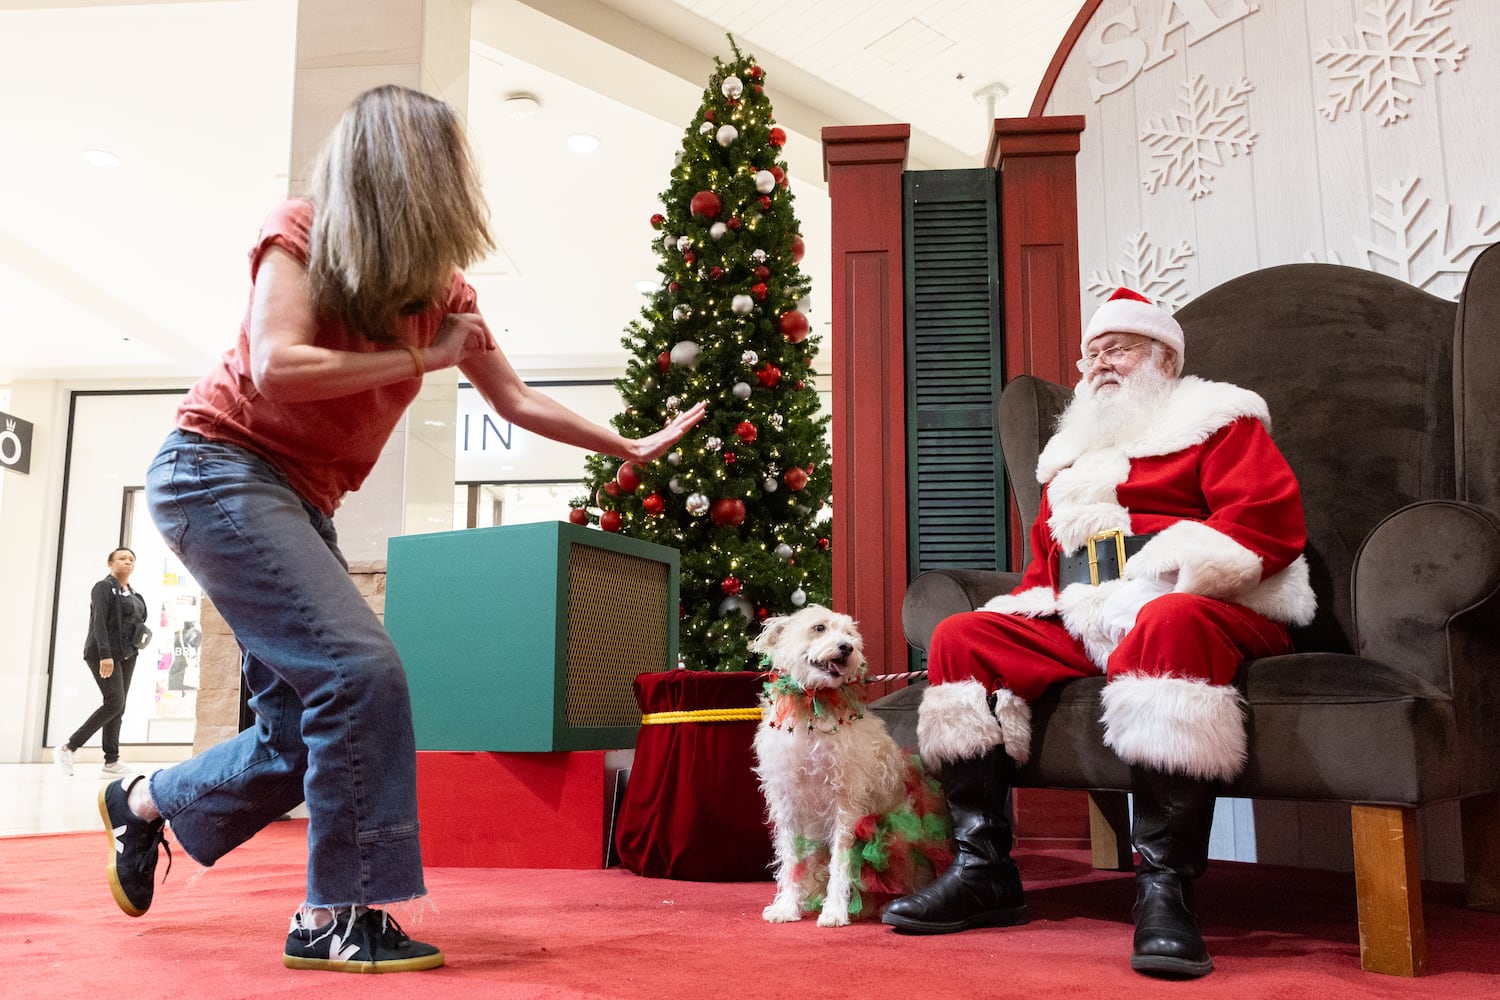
pixel 101 158
pixel 521 105
pixel 582 142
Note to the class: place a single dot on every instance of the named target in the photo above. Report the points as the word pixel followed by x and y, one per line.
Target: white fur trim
pixel 1014 716
pixel 1286 597
pixel 1127 315
pixel 954 723
pixel 1197 559
pixel 1192 413
pixel 1079 605
pixel 1175 724
pixel 1034 602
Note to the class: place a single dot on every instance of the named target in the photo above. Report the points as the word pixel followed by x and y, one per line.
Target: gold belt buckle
pixel 1119 537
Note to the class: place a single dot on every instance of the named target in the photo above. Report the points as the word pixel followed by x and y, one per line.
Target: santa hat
pixel 1128 311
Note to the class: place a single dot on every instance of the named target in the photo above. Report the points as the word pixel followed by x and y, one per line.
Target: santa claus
pixel 1167 550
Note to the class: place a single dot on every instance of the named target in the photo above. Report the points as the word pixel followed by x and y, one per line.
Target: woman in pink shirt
pixel 356 293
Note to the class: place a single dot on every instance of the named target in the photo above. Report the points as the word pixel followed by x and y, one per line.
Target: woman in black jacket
pixel 115 611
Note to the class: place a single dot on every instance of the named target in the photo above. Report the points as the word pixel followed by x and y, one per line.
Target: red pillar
pixel 863 167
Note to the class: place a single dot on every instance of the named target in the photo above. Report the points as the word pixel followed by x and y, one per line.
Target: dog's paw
pixel 833 918
pixel 781 913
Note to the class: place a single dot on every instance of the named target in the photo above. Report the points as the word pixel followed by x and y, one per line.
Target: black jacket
pixel 113 616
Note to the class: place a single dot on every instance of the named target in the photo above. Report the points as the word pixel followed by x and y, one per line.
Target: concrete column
pixel 345 47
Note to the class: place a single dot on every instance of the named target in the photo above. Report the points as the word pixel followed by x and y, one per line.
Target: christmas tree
pixel 744 496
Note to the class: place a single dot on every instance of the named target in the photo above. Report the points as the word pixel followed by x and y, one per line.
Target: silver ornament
pixel 675 485
pixel 696 504
pixel 674 403
pixel 799 597
pixel 682 312
pixel 741 390
pixel 717 230
pixel 668 241
pixel 765 181
pixel 759 256
pixel 727 134
pixel 749 358
pixel 732 87
pixel 705 128
pixel 674 458
pixel 735 603
pixel 685 352
pixel 777 420
pixel 713 444
pixel 684 243
pixel 742 304
pixel 783 551
pixel 769 485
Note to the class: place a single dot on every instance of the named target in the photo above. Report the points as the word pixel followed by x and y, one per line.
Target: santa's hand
pixel 1117 613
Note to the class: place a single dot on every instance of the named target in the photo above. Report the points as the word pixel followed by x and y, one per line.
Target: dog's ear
pixel 770 634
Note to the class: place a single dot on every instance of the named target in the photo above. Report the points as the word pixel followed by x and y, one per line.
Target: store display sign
pixel 490 449
pixel 15 444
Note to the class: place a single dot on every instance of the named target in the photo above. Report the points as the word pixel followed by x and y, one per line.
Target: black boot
pixel 982 888
pixel 1172 816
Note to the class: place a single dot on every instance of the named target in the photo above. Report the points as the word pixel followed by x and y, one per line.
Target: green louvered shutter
pixel 954 351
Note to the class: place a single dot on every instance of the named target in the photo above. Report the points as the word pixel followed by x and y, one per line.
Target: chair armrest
pixel 938 593
pixel 1421 572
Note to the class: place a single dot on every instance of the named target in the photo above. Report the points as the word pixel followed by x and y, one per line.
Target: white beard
pixel 1123 413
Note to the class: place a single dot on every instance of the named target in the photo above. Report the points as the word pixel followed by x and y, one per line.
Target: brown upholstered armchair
pixel 1386 401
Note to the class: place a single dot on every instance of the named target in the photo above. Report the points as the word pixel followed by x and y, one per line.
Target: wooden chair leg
pixel 1480 817
pixel 1388 884
pixel 1109 830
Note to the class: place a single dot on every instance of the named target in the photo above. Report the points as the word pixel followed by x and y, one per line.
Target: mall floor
pixel 42 799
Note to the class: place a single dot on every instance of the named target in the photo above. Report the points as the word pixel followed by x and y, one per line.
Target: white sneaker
pixel 63 758
pixel 114 770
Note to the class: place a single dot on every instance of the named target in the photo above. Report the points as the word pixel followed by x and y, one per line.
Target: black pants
pixel 115 688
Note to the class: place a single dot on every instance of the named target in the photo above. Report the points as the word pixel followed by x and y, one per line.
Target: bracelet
pixel 416 359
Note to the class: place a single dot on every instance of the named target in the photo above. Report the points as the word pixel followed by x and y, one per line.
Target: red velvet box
pixel 513 810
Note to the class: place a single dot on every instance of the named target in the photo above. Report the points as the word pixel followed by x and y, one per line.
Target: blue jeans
pixel 333 716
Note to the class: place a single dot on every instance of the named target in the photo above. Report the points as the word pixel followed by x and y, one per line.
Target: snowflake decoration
pixel 1405 38
pixel 1211 121
pixel 1149 270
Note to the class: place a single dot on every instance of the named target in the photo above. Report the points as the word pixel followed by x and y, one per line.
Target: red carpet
pixel 215 934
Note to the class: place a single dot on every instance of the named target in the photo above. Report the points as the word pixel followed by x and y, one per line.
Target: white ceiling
pixel 137 272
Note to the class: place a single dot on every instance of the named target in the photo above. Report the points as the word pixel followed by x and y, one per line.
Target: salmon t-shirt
pixel 324 447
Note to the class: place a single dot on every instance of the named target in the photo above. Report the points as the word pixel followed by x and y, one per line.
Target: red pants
pixel 1177 635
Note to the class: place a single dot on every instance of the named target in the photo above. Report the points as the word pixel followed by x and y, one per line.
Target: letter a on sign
pixel 15 444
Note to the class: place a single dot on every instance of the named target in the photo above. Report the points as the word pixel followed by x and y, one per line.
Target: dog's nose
pixel 845 648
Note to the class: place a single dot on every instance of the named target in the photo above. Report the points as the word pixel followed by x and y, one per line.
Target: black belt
pixel 1101 560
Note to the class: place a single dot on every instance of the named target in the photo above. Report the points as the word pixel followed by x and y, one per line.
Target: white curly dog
pixel 823 764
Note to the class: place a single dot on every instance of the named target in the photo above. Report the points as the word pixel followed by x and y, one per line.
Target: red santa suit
pixel 1221 580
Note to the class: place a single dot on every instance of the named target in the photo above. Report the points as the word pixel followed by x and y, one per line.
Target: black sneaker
pixel 132 848
pixel 357 941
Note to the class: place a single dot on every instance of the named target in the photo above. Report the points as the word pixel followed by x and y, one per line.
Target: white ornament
pixel 717 230
pixel 799 597
pixel 727 134
pixel 742 303
pixel 705 128
pixel 668 241
pixel 749 358
pixel 674 458
pixel 682 312
pixel 675 485
pixel 759 256
pixel 765 181
pixel 685 352
pixel 769 485
pixel 696 504
pixel 783 551
pixel 684 243
pixel 713 444
pixel 777 420
pixel 674 403
pixel 741 391
pixel 735 603
pixel 732 87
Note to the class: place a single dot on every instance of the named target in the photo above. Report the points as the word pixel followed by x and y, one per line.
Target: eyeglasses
pixel 1113 356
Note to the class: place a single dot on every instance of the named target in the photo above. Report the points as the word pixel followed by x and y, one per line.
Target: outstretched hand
pixel 653 445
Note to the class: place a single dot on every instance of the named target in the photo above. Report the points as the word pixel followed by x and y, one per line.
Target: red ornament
pixel 758 88
pixel 762 612
pixel 778 173
pixel 672 286
pixel 689 257
pixel 795 478
pixel 654 504
pixel 747 431
pixel 730 585
pixel 628 476
pixel 778 137
pixel 727 512
pixel 610 520
pixel 793 325
pixel 765 203
pixel 798 249
pixel 729 458
pixel 768 374
pixel 578 515
pixel 754 72
pixel 823 544
pixel 603 493
pixel 762 272
pixel 734 222
pixel 657 220
pixel 758 290
pixel 709 114
pixel 800 385
pixel 716 272
pixel 706 204
pixel 664 361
